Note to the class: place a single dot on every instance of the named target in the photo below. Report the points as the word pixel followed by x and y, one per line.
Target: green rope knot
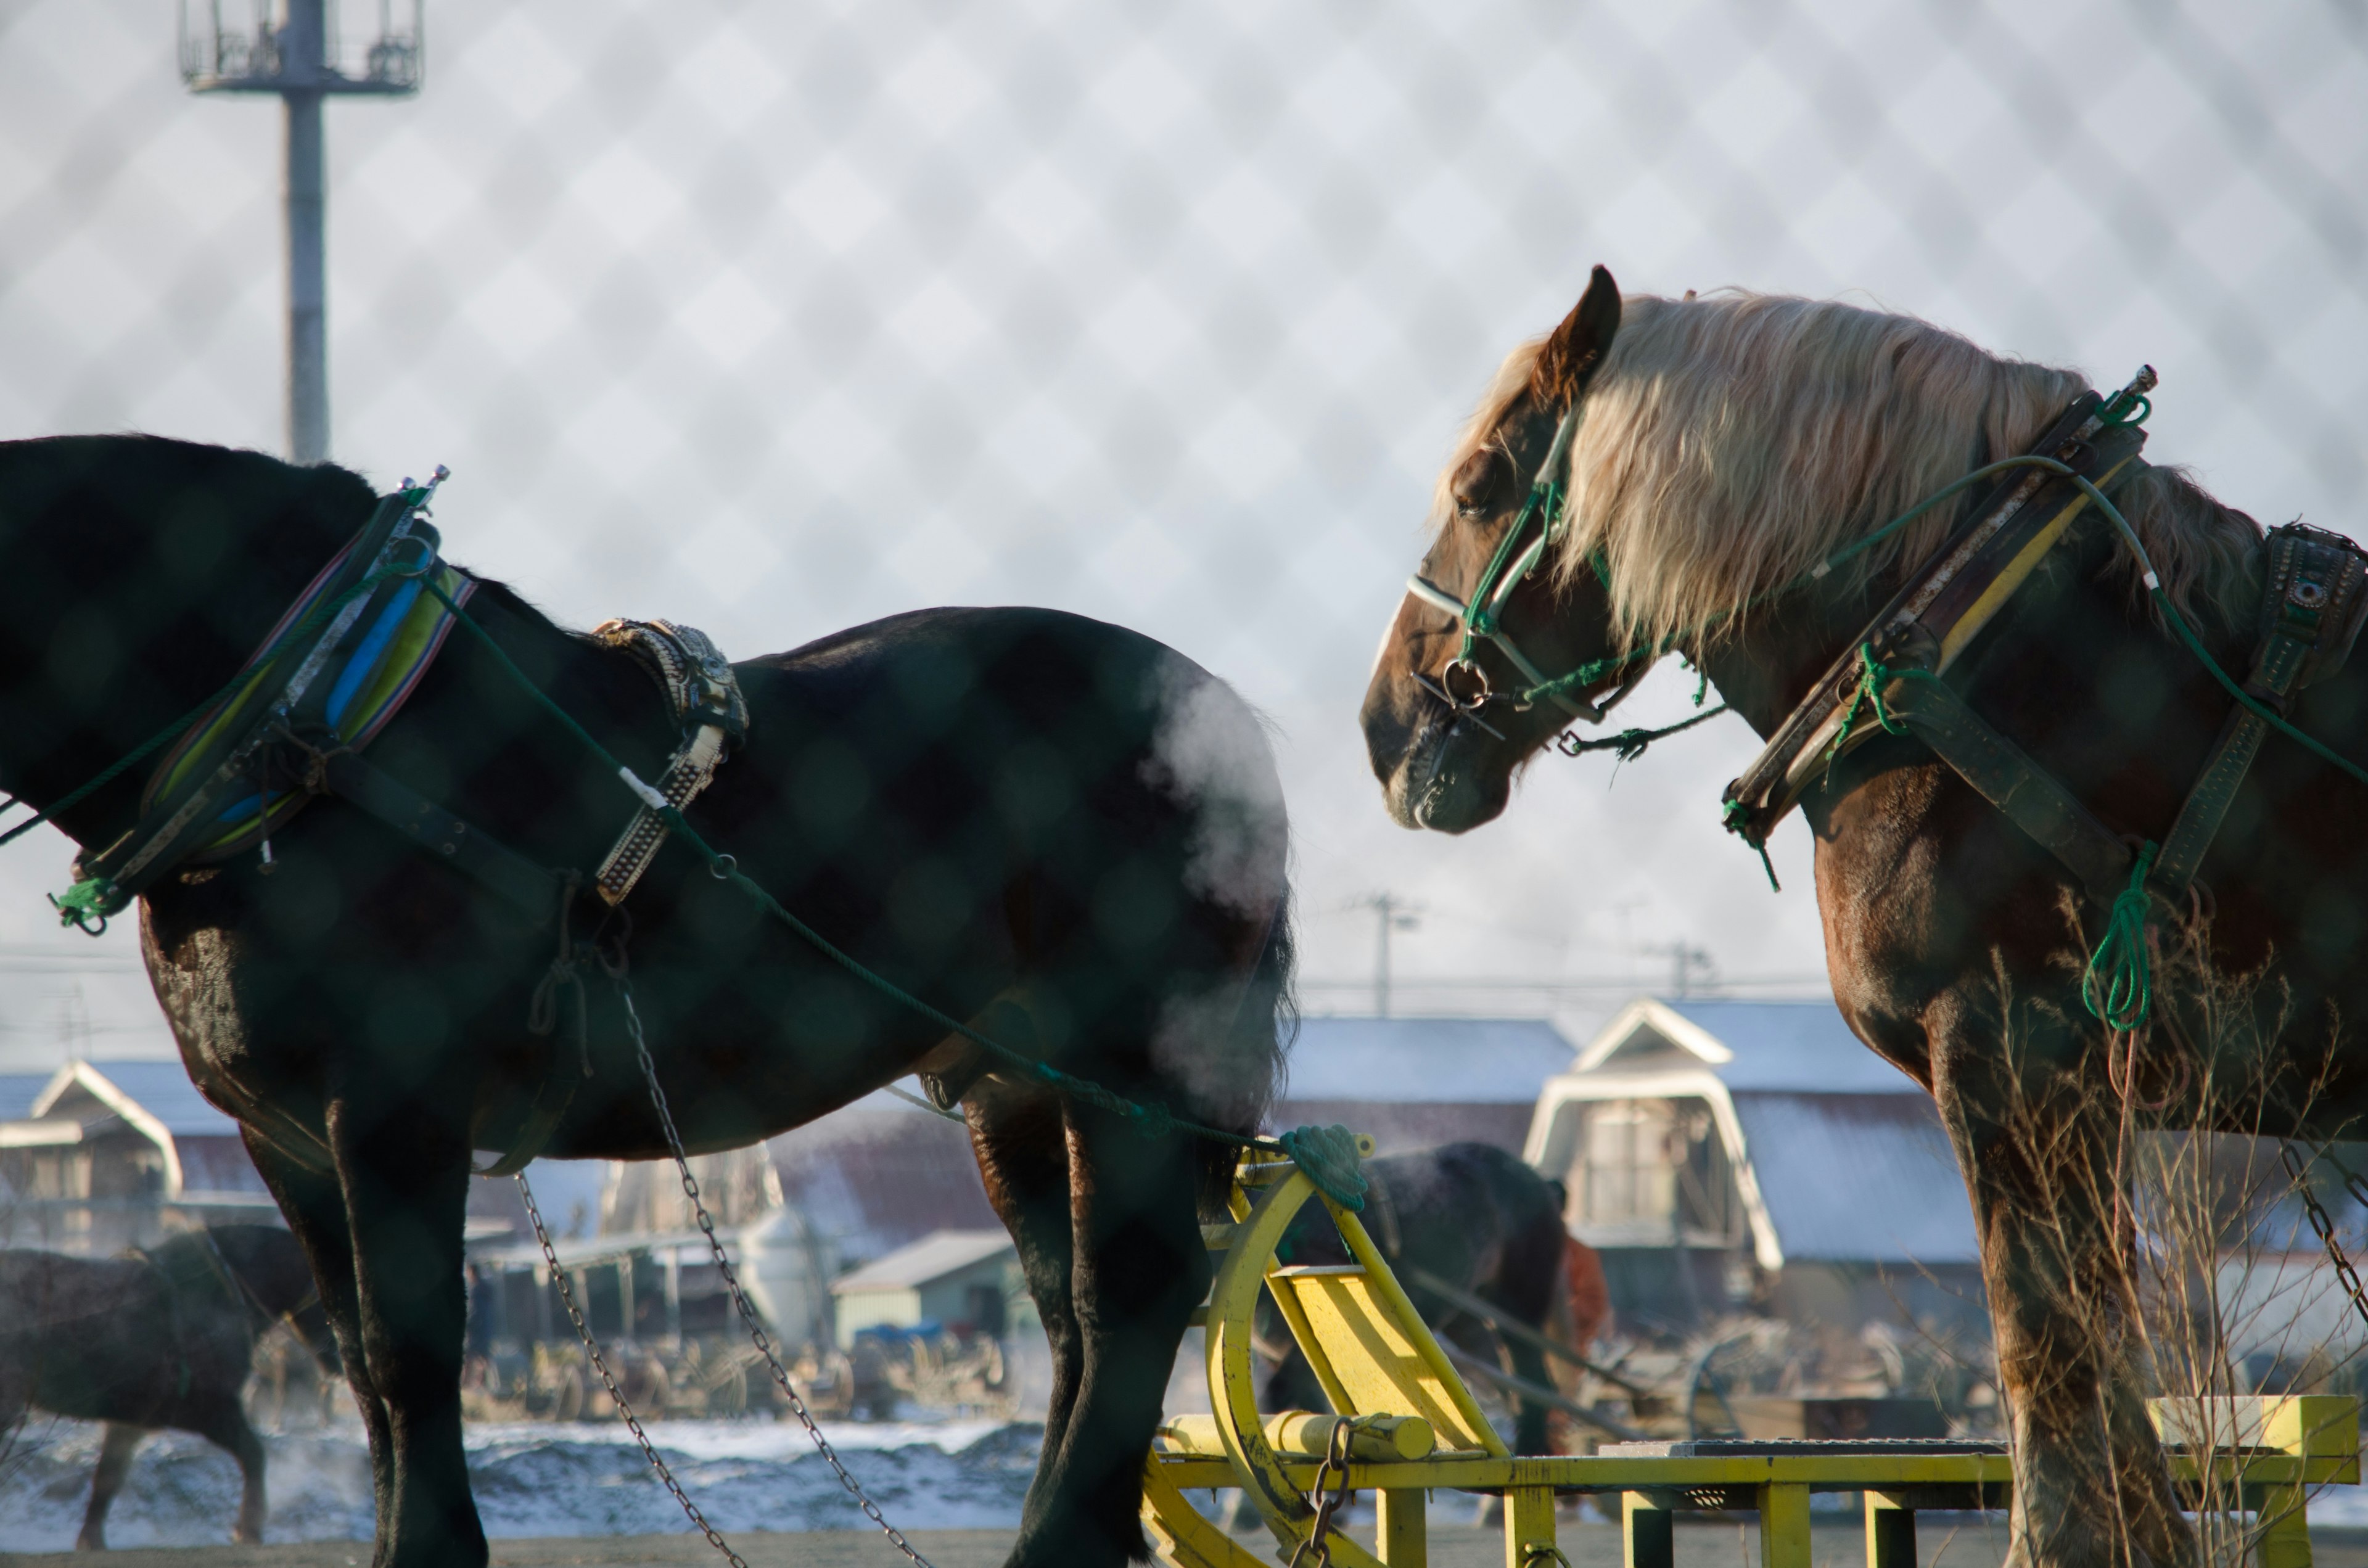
pixel 1874 674
pixel 1328 1155
pixel 87 904
pixel 2116 988
pixel 1736 817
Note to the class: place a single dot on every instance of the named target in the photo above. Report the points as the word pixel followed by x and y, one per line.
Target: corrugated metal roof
pixel 1858 1178
pixel 163 1089
pixel 1436 1061
pixel 934 1257
pixel 18 1091
pixel 878 1173
pixel 1802 1046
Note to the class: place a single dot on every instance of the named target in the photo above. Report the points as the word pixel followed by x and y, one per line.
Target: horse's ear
pixel 1576 348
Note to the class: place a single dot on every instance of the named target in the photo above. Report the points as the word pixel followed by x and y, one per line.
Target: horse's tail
pixel 1264 1025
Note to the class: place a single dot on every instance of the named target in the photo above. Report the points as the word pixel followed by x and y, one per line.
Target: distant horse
pixel 163 1338
pixel 1050 825
pixel 1469 1214
pixel 1724 449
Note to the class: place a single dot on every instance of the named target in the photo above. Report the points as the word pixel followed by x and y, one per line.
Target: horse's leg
pixel 105 1479
pixel 2038 1156
pixel 403 1163
pixel 1139 1271
pixel 226 1428
pixel 1023 1153
pixel 315 1207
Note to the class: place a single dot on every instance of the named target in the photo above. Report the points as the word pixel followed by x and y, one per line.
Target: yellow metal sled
pixel 1414 1427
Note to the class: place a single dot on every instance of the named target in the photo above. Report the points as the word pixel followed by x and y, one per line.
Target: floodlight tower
pixel 291 48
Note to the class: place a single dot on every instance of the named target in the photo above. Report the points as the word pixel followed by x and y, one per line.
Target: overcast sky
pixel 776 318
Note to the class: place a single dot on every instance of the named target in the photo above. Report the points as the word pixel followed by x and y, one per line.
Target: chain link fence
pixel 774 319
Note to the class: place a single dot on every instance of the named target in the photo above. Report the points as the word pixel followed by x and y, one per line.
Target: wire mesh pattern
pixel 774 319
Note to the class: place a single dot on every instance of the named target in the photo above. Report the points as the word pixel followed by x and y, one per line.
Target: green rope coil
pixel 2116 988
pixel 1328 1155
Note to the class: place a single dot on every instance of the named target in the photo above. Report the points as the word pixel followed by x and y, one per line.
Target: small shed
pixel 110 1154
pixel 1416 1083
pixel 1724 1154
pixel 960 1279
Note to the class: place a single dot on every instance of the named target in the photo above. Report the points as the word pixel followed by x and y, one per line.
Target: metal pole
pixel 302 43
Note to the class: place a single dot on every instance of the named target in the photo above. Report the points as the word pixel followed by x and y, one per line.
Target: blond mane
pixel 1731 442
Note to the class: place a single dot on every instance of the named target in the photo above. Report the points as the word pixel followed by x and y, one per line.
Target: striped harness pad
pixel 363 686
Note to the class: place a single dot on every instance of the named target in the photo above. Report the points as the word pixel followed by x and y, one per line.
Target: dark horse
pixel 1725 446
pixel 163 1339
pixel 1055 826
pixel 1469 1214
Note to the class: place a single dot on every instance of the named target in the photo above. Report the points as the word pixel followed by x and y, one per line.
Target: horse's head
pixel 1493 650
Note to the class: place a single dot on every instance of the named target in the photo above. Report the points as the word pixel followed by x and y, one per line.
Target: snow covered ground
pixel 532 1480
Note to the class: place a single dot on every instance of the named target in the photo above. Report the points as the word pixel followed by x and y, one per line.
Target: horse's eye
pixel 1475 483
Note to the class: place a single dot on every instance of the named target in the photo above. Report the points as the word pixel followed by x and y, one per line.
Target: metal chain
pixel 2319 1221
pixel 600 1365
pixel 756 1334
pixel 1336 1463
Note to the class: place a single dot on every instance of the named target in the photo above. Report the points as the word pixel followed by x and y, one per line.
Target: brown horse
pixel 162 1338
pixel 1720 449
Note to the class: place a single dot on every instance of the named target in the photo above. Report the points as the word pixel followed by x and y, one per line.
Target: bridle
pixel 1480 616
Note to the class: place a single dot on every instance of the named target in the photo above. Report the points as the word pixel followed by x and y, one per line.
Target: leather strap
pixel 2005 775
pixel 534 891
pixel 2316 587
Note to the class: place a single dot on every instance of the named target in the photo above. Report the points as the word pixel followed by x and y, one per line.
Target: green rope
pixel 1631 744
pixel 1738 821
pixel 1150 1118
pixel 2116 988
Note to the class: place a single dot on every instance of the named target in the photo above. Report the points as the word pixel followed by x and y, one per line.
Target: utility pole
pixel 291 48
pixel 1392 913
pixel 1686 962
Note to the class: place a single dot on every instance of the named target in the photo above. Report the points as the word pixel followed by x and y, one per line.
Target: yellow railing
pixel 1418 1429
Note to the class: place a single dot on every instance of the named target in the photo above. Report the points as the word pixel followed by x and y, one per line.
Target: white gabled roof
pixel 1836 1153
pixel 87 1078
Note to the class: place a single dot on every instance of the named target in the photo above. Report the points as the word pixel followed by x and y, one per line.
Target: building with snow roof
pixel 1416 1083
pixel 957 1279
pixel 1720 1154
pixel 110 1154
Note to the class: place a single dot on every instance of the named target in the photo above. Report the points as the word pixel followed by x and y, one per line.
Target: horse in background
pixel 1723 450
pixel 164 1337
pixel 1473 1216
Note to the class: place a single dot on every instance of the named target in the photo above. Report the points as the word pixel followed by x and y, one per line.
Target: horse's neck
pixel 1764 674
pixel 137 643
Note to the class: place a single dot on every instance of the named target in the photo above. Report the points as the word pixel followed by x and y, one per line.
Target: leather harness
pixel 2311 614
pixel 294 731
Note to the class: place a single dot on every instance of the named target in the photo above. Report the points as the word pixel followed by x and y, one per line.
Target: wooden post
pixel 1530 1526
pixel 2285 1525
pixel 1784 1525
pixel 1890 1533
pixel 1646 1540
pixel 1399 1527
